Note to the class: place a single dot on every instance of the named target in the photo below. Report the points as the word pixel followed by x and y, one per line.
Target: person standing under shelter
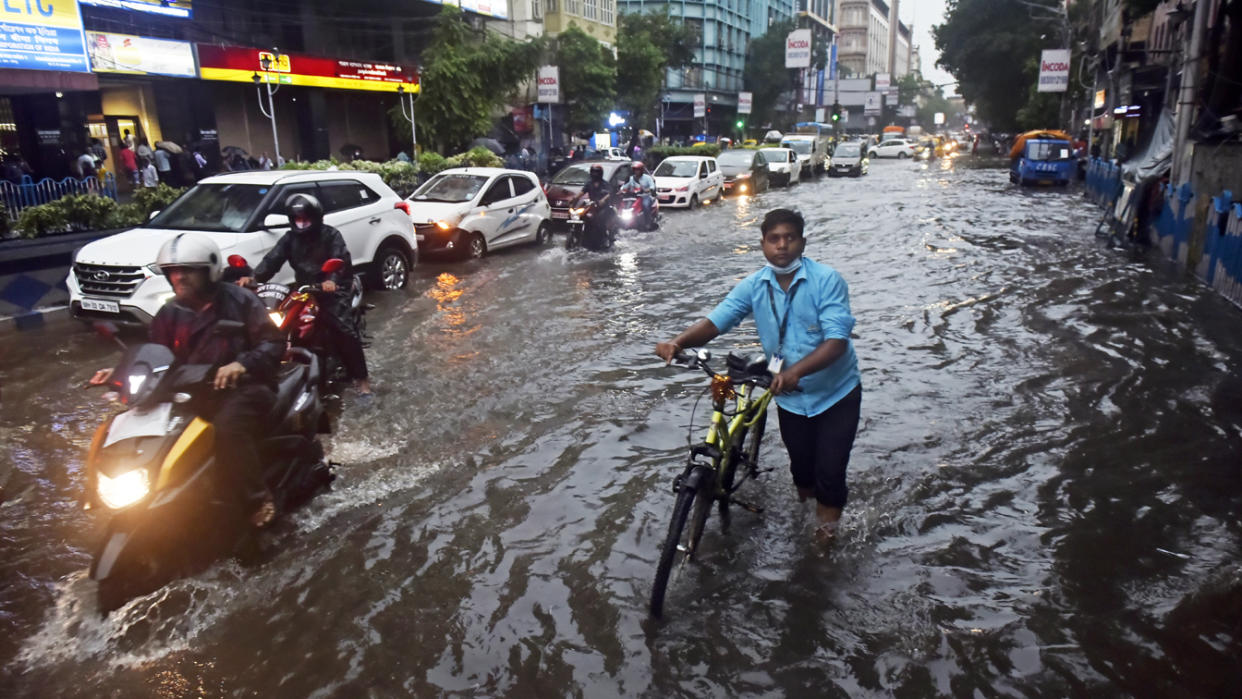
pixel 802 313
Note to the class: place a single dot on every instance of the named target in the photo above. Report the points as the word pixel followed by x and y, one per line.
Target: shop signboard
pixel 872 106
pixel 122 53
pixel 42 35
pixel 168 8
pixel 237 64
pixel 883 81
pixel 1100 99
pixel 744 100
pixel 1054 70
pixel 938 118
pixel 700 106
pixel 798 49
pixel 549 80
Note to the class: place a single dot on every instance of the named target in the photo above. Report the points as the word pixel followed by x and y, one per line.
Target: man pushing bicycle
pixel 802 313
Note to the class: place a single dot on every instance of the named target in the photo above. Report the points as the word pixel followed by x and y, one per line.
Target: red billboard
pixel 238 64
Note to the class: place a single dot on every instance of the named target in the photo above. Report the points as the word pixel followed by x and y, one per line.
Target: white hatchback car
pixel 894 148
pixel 115 278
pixel 688 180
pixel 783 165
pixel 473 210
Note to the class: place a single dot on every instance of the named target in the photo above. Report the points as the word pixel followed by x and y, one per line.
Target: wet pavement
pixel 1045 487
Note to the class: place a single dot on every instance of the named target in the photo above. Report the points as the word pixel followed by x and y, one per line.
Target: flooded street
pixel 1045 489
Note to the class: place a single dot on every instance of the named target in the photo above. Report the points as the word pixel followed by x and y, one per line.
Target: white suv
pixel 894 148
pixel 115 278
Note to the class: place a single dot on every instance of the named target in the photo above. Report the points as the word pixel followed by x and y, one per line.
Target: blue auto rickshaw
pixel 1044 161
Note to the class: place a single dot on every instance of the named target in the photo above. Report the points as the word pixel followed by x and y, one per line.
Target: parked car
pixel 688 180
pixel 783 165
pixel 745 171
pixel 115 278
pixel 812 150
pixel 474 210
pixel 849 159
pixel 569 182
pixel 893 148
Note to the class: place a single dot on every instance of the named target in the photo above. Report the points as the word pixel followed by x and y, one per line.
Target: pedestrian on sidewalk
pixel 129 164
pixel 163 166
pixel 150 178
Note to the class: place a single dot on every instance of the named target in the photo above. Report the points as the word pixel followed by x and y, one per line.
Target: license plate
pixel 560 214
pixel 101 305
pixel 665 200
pixel 1045 182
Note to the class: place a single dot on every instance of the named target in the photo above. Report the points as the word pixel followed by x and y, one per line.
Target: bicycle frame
pixel 725 429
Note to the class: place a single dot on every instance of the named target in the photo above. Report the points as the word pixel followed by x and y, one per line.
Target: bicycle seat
pixel 742 368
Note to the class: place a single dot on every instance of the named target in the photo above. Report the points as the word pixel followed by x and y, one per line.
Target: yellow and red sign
pixel 238 64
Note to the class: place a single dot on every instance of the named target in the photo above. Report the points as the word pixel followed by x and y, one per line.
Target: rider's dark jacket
pixel 596 190
pixel 306 252
pixel 193 338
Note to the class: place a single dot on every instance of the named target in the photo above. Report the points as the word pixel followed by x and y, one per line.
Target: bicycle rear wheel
pixel 672 541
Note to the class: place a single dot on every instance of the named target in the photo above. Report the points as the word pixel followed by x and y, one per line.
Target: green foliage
pixel 40 220
pixel 467 75
pixel 765 74
pixel 86 212
pixel 398 174
pixel 588 71
pixel 430 162
pixel 92 212
pixel 481 157
pixel 156 198
pixel 655 154
pixel 986 45
pixel 647 44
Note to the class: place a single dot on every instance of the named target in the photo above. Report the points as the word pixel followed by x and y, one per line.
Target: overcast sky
pixel 922 14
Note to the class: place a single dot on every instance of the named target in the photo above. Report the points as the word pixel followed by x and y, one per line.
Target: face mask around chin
pixel 787 269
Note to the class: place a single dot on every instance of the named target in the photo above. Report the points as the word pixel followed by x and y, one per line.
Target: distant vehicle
pixel 570 181
pixel 614 154
pixel 1044 161
pixel 745 171
pixel 812 151
pixel 783 165
pixel 849 159
pixel 115 278
pixel 893 148
pixel 688 180
pixel 474 210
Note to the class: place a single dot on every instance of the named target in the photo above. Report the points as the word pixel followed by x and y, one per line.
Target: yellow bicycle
pixel 739 413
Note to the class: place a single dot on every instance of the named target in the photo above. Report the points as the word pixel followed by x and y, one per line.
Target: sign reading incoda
pixel 798 49
pixel 1054 70
pixel 549 84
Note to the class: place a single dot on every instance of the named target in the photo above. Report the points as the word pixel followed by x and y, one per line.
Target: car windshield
pixel 775 155
pixel 799 147
pixel 678 168
pixel 212 207
pixel 735 158
pixel 846 150
pixel 574 174
pixel 453 188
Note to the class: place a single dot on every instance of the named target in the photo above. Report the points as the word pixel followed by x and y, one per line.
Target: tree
pixel 647 45
pixel 466 77
pixel 588 73
pixel 765 74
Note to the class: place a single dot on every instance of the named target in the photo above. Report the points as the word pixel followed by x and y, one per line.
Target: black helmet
pixel 597 172
pixel 304 206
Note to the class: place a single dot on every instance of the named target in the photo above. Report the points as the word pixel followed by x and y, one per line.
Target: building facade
pixel 865 36
pixel 595 17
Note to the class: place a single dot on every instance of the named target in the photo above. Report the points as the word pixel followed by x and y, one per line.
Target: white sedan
pixel 894 148
pixel 783 165
pixel 473 210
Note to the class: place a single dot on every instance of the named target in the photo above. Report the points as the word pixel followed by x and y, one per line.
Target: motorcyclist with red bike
pixel 643 187
pixel 308 244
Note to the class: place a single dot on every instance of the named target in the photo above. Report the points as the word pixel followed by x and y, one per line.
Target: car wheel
pixel 873 155
pixel 391 269
pixel 476 247
pixel 902 155
pixel 544 235
pixel 694 202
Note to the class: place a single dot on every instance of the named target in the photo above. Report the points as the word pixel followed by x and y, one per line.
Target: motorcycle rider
pixel 247 361
pixel 643 185
pixel 598 191
pixel 308 244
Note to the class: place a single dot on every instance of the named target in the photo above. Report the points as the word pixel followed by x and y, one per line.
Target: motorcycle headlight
pixel 124 490
pixel 627 214
pixel 277 317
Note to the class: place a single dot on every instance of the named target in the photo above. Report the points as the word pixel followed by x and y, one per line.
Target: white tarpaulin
pixel 1157 158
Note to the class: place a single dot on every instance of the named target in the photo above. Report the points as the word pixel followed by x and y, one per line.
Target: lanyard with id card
pixel 777 362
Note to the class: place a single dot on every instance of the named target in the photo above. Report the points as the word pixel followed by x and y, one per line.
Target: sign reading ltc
pixel 42 35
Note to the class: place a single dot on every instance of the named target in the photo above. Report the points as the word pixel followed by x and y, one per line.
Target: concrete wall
pixel 1215 167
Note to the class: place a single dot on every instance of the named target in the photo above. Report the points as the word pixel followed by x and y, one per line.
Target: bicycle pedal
pixel 747 506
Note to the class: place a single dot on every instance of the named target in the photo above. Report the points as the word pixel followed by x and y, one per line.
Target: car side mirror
pixel 275 221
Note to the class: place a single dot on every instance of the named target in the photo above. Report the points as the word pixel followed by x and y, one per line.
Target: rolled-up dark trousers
pixel 345 341
pixel 819 447
pixel 239 416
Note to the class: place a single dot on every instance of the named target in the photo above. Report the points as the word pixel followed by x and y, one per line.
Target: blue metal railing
pixel 16 197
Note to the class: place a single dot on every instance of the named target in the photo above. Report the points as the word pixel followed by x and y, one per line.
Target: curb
pixel 35 319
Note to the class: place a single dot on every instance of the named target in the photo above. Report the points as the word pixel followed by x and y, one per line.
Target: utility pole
pixel 1186 100
pixel 410 118
pixel 266 62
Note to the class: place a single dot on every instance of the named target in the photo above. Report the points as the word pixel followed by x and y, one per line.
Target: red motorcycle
pixel 630 212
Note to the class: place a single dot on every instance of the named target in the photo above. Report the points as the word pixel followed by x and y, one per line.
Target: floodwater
pixel 1045 487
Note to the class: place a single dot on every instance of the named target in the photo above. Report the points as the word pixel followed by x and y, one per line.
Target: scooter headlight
pixel 124 490
pixel 627 214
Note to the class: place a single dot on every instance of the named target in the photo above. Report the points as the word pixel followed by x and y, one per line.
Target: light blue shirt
pixel 820 312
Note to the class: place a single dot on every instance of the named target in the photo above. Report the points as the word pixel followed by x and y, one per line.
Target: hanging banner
pixel 122 53
pixel 168 8
pixel 832 61
pixel 237 64
pixel 798 49
pixel 744 102
pixel 42 36
pixel 549 85
pixel 700 106
pixel 1054 70
pixel 819 90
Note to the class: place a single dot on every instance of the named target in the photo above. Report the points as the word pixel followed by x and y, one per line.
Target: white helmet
pixel 191 250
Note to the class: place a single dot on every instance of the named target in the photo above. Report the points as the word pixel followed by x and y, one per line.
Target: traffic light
pixel 836 112
pixel 740 123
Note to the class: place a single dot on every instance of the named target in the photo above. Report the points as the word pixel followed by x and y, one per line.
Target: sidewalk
pixel 32 276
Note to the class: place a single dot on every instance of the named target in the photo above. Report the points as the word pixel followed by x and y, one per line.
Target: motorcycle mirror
pixel 237 261
pixel 333 265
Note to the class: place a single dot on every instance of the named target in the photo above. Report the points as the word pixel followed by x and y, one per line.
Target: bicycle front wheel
pixel 672 547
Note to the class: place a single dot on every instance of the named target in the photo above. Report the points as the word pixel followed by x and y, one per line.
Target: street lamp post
pixel 265 62
pixel 409 117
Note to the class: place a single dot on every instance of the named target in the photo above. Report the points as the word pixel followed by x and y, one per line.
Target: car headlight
pixel 684 189
pixel 444 225
pixel 743 176
pixel 124 490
